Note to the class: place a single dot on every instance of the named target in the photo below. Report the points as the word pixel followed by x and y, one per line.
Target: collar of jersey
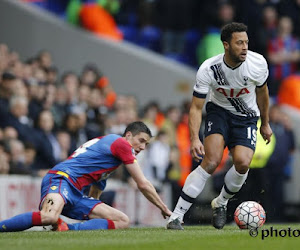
pixel 230 66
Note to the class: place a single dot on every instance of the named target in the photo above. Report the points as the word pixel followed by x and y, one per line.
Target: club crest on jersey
pixel 246 78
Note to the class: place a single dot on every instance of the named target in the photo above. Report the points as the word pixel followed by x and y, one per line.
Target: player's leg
pixel 242 146
pixel 237 174
pixel 195 182
pixel 233 182
pixel 101 216
pixel 51 209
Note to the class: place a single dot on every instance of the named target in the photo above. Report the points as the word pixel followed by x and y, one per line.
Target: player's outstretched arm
pixel 262 98
pixel 146 187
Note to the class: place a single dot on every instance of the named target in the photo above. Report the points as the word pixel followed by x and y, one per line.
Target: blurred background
pixel 72 70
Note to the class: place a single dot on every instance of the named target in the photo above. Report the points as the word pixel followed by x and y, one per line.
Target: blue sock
pixel 92 224
pixel 17 223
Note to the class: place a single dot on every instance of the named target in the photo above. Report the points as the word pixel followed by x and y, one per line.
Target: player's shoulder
pixel 256 58
pixel 110 138
pixel 213 60
pixel 205 67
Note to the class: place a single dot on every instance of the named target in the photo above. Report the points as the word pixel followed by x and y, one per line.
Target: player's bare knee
pixel 122 223
pixel 125 221
pixel 242 166
pixel 49 218
pixel 210 164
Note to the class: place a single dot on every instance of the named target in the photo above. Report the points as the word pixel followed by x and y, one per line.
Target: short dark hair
pixel 137 127
pixel 228 29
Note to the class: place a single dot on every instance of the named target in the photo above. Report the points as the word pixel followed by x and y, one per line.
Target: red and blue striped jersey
pixel 95 160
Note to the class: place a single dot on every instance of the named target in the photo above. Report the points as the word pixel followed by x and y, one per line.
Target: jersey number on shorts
pixel 83 147
pixel 251 134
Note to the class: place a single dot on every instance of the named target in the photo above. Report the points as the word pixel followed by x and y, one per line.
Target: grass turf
pixel 193 237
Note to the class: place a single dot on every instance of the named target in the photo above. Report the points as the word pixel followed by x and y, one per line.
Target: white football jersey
pixel 232 88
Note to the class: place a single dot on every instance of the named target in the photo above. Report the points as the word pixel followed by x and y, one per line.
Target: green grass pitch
pixel 193 237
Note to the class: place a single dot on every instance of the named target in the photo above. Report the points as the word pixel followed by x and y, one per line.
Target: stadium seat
pixel 192 38
pixel 181 58
pixel 130 33
pixel 150 38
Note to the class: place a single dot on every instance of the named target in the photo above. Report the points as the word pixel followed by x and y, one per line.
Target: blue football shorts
pixel 236 130
pixel 77 206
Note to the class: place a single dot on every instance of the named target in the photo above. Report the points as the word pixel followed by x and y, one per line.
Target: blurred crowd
pixel 45 115
pixel 188 31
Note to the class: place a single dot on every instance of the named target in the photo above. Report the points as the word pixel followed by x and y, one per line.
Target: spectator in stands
pixel 45 59
pixel 4 162
pixel 10 133
pixel 60 107
pixel 64 140
pixel 71 83
pixel 49 151
pixel 84 93
pixel 72 126
pixel 266 31
pixel 158 160
pixel 17 158
pixel 90 75
pixel 283 54
pixel 288 93
pixel 149 116
pixel 51 75
pixel 183 143
pixel 96 112
pixel 30 160
pixel 292 9
pixel 18 118
pixel 170 124
pixel 95 18
pixel 284 149
pixel 107 91
pixel 7 87
pixel 4 53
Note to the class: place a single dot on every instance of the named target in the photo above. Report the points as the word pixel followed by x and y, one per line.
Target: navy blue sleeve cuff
pixel 262 85
pixel 196 94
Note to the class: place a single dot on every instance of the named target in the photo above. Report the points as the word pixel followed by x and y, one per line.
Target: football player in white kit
pixel 238 94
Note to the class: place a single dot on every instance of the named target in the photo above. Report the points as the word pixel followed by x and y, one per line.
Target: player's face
pixel 238 47
pixel 139 141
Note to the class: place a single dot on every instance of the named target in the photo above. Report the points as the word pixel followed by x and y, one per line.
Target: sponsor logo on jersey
pixel 53 188
pixel 233 93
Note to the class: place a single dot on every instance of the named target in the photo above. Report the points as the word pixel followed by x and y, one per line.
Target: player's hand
pixel 266 132
pixel 197 150
pixel 166 212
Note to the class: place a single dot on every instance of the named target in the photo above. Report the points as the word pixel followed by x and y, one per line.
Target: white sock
pixel 193 186
pixel 233 182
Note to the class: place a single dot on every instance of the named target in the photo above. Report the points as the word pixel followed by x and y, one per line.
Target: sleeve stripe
pixel 196 94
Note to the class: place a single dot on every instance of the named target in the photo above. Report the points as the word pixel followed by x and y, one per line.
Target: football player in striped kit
pixel 235 82
pixel 90 165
